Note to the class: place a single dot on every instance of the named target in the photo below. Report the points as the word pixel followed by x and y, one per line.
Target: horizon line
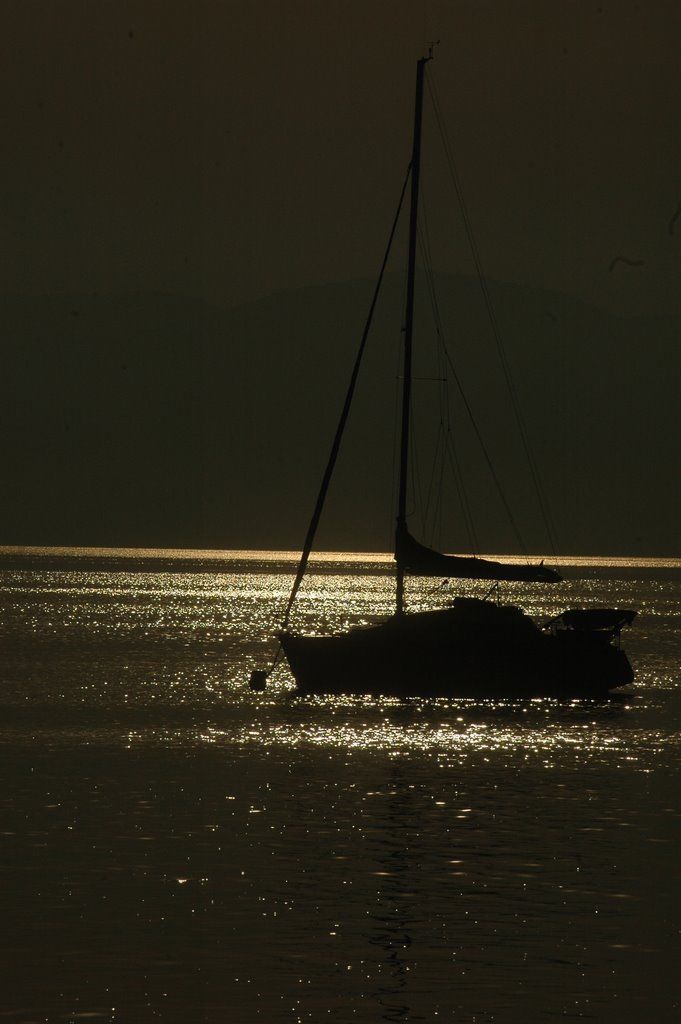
pixel 292 555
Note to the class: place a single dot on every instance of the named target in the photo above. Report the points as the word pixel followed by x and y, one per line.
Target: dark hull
pixel 476 650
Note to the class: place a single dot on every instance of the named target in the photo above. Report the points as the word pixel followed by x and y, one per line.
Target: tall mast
pixel 409 320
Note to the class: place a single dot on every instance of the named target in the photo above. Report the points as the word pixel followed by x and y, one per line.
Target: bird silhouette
pixel 674 219
pixel 627 262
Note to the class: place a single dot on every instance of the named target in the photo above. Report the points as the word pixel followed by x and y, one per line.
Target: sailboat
pixel 474 647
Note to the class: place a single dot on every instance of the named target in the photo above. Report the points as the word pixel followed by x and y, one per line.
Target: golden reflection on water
pixel 434 727
pixel 188 639
pixel 174 837
pixel 539 733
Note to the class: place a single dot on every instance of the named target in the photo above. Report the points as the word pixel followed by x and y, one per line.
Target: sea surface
pixel 176 848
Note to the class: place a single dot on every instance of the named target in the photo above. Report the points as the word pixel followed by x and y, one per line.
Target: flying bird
pixel 627 262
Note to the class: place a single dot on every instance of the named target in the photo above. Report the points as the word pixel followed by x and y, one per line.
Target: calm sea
pixel 177 849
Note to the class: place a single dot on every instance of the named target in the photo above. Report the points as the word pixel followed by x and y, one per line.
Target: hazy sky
pixel 225 152
pixel 229 150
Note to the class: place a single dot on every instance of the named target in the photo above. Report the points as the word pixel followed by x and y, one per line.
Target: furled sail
pixel 419 560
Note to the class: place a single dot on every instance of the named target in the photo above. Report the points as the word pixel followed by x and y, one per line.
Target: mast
pixel 409 321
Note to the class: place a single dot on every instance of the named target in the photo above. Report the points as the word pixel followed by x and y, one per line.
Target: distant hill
pixel 163 421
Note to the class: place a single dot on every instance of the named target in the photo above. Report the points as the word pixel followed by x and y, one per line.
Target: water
pixel 176 849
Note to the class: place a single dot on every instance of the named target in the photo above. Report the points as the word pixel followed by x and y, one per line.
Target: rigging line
pixel 415 490
pixel 444 359
pixel 485 452
pixel 487 457
pixel 468 517
pixel 399 357
pixel 446 431
pixel 433 504
pixel 483 447
pixel 543 503
pixel 314 522
pixel 439 469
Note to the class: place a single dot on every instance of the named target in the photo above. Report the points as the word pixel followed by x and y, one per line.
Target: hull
pixel 474 649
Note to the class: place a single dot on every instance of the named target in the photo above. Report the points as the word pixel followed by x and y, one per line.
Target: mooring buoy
pixel 258 680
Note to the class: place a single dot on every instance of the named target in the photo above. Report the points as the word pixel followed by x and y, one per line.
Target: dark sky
pixel 229 150
pixel 226 152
